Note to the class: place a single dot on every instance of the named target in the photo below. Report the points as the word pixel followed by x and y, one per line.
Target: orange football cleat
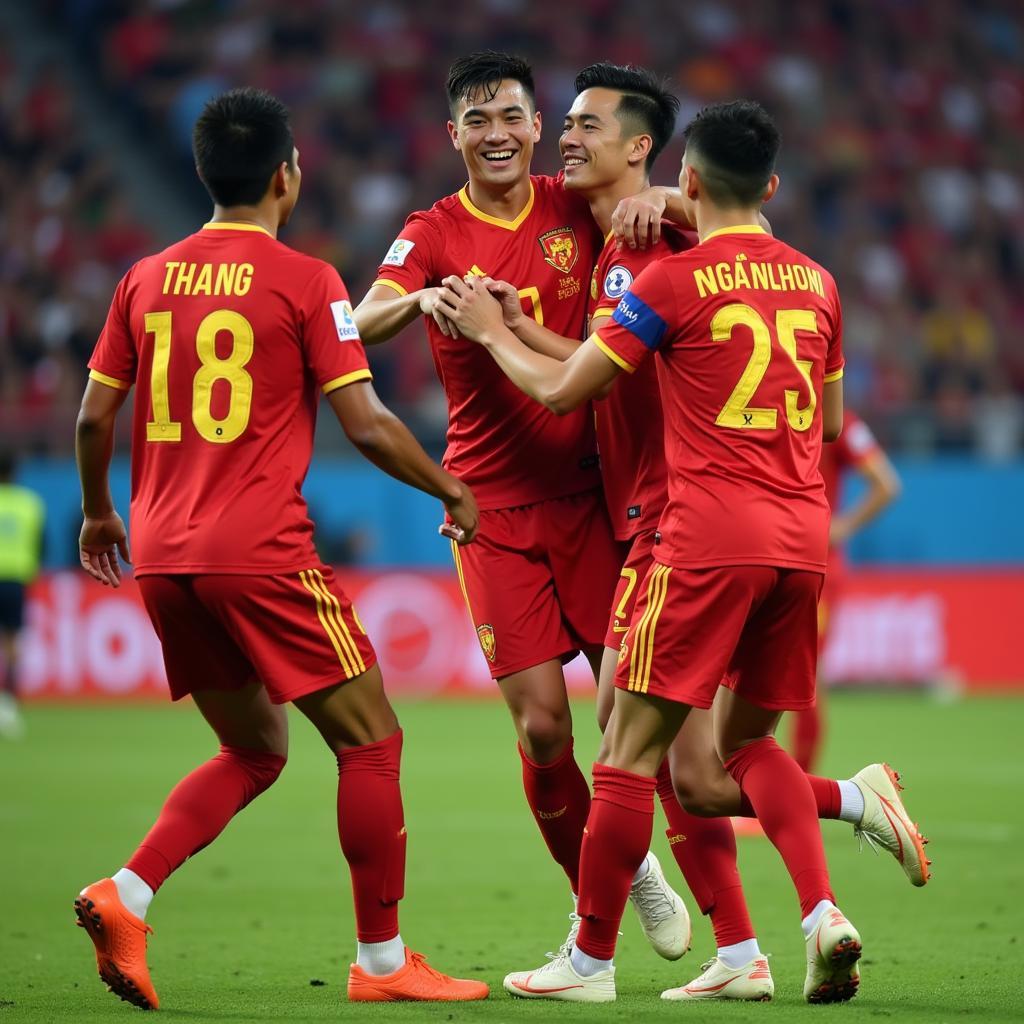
pixel 416 980
pixel 120 940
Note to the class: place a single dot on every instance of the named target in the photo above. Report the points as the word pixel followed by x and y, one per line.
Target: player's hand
pixel 429 298
pixel 463 514
pixel 637 219
pixel 839 531
pixel 101 539
pixel 506 294
pixel 471 307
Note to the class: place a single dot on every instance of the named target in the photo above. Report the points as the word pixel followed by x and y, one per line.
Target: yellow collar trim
pixel 609 236
pixel 738 229
pixel 230 225
pixel 508 225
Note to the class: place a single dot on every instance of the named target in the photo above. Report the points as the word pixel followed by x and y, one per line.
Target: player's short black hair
pixel 483 72
pixel 646 102
pixel 240 139
pixel 734 146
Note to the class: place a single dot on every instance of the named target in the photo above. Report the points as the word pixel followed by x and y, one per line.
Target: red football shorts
pixel 752 628
pixel 538 580
pixel 295 633
pixel 637 561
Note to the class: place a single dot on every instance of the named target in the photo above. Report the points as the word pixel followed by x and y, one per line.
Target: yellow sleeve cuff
pixel 602 311
pixel 832 377
pixel 613 356
pixel 347 378
pixel 394 285
pixel 111 382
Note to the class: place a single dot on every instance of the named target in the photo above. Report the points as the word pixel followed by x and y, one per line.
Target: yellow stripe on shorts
pixel 643 640
pixel 342 658
pixel 462 579
pixel 334 612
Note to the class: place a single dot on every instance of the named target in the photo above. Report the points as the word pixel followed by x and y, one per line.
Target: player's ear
pixel 640 148
pixel 689 182
pixel 771 189
pixel 536 126
pixel 281 183
pixel 453 131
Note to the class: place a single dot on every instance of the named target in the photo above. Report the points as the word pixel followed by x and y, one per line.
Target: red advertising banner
pixel 86 641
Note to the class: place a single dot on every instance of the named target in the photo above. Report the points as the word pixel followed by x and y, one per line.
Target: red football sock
pixel 808 728
pixel 617 837
pixel 371 826
pixel 782 797
pixel 559 797
pixel 705 850
pixel 200 806
pixel 826 797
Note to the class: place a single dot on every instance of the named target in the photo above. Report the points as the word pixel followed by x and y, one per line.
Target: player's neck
pixel 261 216
pixel 603 202
pixel 714 218
pixel 505 202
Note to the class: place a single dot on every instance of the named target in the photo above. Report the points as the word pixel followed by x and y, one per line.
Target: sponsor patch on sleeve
pixel 617 283
pixel 640 320
pixel 398 252
pixel 344 320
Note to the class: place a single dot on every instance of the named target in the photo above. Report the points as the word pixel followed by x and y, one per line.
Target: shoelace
pixel 653 900
pixel 864 836
pixel 421 961
pixel 566 947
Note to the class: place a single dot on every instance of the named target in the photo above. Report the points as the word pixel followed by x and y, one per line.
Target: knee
pixel 697 794
pixel 544 734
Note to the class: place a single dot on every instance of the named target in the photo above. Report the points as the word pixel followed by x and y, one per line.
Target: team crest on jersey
pixel 617 283
pixel 344 320
pixel 560 249
pixel 398 252
pixel 485 634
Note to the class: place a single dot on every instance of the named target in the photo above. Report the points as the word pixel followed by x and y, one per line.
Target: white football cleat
pixel 833 949
pixel 885 822
pixel 558 979
pixel 663 915
pixel 752 982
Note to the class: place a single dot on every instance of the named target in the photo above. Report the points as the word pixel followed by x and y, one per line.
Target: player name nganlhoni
pixel 184 278
pixel 744 273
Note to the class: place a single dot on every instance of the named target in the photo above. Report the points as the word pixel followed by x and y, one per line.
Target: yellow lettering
pixel 786 276
pixel 760 274
pixel 705 281
pixel 815 282
pixel 167 276
pixel 225 283
pixel 186 271
pixel 244 279
pixel 724 274
pixel 800 276
pixel 204 281
pixel 742 281
pixel 772 283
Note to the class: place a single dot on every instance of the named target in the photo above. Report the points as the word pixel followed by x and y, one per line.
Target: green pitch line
pixel 248 930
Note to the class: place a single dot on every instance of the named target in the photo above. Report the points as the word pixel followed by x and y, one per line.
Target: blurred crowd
pixel 903 144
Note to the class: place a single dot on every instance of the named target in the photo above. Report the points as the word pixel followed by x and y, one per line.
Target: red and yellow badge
pixel 485 634
pixel 560 249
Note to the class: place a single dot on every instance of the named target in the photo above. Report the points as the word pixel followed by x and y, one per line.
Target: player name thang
pixel 182 278
pixel 743 273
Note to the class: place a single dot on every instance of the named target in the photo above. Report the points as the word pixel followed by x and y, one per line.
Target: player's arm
pixel 561 386
pixel 883 487
pixel 103 534
pixel 636 221
pixel 386 441
pixel 384 312
pixel 541 339
pixel 832 410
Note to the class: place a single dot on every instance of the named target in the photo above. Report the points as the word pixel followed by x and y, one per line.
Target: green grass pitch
pixel 259 927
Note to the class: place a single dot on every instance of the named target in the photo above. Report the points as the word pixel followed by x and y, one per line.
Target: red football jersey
pixel 229 337
pixel 630 424
pixel 508 448
pixel 749 329
pixel 854 446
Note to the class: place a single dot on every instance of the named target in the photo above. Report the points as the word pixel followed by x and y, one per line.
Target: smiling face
pixel 496 134
pixel 595 149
